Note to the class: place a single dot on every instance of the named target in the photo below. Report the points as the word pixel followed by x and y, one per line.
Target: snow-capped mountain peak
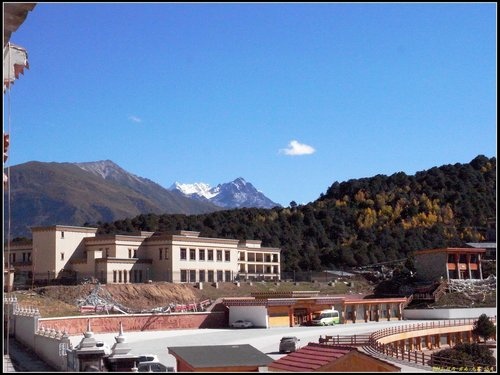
pixel 200 189
pixel 234 194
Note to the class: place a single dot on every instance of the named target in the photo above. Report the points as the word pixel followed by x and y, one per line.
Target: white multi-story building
pixel 60 251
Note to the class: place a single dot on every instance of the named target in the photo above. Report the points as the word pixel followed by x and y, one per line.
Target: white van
pixel 326 318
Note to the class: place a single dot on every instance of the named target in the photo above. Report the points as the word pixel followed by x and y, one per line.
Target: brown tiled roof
pixel 310 358
pixel 220 356
pixel 452 250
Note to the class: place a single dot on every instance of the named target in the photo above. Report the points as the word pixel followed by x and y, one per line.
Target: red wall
pixel 136 322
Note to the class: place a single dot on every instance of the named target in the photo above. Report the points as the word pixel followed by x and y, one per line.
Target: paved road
pixel 265 340
pixel 157 342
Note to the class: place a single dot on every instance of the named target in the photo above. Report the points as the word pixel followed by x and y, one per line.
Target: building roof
pixel 484 245
pixel 220 355
pixel 314 356
pixel 451 250
pixel 310 358
pixel 69 228
pixel 286 294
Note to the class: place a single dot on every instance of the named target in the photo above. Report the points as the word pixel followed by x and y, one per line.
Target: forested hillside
pixel 357 222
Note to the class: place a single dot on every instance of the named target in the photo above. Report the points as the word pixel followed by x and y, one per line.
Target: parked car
pixel 153 367
pixel 289 344
pixel 148 358
pixel 241 324
pixel 150 363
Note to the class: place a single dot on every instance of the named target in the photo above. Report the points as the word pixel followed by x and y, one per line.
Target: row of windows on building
pixel 163 254
pixel 136 276
pixel 201 255
pixel 189 276
pixel 26 257
pixel 133 276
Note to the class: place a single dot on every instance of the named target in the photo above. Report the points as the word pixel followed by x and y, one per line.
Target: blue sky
pixel 290 96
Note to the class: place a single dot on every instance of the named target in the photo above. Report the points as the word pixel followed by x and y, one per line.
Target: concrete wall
pixel 49 337
pixel 418 314
pixel 50 346
pixel 431 266
pixel 25 324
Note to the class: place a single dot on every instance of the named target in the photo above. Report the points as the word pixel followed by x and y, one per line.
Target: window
pixel 24 257
pixel 130 253
pixel 219 255
pixel 183 254
pixel 201 274
pixel 210 276
pixel 125 274
pixel 160 255
pixel 62 256
pixel 219 276
pixel 201 254
pixel 29 257
pixel 192 254
pixel 227 256
pixel 114 276
pixel 210 255
pixel 119 276
pixel 183 276
pixel 13 257
pixel 227 275
pixel 107 252
pixel 135 253
pixel 192 276
pixel 62 234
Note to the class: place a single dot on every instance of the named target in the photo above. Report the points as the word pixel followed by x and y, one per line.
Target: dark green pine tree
pixel 483 327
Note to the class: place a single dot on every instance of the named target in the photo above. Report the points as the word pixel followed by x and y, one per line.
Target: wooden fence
pixel 353 340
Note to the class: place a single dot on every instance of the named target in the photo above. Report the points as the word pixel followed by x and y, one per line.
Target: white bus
pixel 325 318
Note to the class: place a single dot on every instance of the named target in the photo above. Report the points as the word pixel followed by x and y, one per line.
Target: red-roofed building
pixel 292 308
pixel 449 263
pixel 330 358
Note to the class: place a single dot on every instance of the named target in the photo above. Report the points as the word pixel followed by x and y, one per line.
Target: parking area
pixel 265 340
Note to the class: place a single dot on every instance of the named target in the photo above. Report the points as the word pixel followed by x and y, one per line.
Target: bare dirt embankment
pixel 55 301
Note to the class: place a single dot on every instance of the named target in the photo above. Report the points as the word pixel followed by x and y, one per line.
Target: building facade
pixel 62 251
pixel 449 263
pixel 295 308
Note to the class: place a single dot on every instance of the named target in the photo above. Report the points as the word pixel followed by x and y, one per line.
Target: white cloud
pixel 296 148
pixel 134 119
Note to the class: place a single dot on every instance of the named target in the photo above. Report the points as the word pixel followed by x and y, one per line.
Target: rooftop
pixel 220 355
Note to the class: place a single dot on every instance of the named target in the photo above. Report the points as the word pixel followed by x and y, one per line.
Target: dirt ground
pixel 54 301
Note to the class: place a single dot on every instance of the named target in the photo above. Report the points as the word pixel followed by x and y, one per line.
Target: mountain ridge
pixel 238 193
pixel 49 193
